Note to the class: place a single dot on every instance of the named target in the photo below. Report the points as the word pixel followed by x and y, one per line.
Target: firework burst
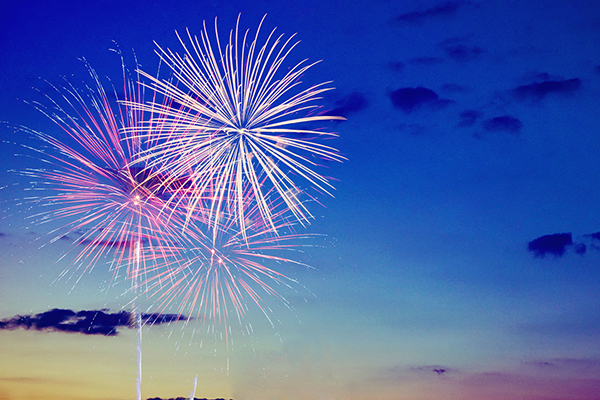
pixel 226 271
pixel 112 204
pixel 240 122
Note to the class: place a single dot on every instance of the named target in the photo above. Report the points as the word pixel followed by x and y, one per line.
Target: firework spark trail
pixel 112 204
pixel 116 206
pixel 226 273
pixel 193 392
pixel 236 125
pixel 138 322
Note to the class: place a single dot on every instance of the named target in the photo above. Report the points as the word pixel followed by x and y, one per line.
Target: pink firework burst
pixel 113 204
pixel 222 275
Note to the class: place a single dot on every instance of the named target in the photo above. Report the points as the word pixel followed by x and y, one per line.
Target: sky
pixel 457 259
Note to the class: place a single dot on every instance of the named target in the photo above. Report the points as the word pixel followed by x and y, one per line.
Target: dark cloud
pixel 504 123
pixel 550 244
pixel 446 9
pixel 409 99
pixel 157 318
pixel 538 90
pixel 349 104
pixel 557 244
pixel 469 117
pixel 438 369
pixel 87 322
pixel 462 52
pixel 426 60
pixel 539 364
pixel 594 236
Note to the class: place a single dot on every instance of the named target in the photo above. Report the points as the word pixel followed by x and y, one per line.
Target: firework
pixel 112 204
pixel 116 205
pixel 194 189
pixel 216 279
pixel 240 123
pixel 124 208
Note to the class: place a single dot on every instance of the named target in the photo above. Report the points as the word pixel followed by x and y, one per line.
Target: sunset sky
pixel 458 259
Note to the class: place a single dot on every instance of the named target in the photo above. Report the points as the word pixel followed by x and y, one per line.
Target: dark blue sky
pixel 473 130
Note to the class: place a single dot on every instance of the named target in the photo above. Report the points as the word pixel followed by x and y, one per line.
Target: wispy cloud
pixel 504 123
pixel 349 104
pixel 463 53
pixel 431 369
pixel 446 9
pixel 545 85
pixel 409 99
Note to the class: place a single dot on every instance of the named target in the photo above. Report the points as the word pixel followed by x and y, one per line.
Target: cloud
pixel 462 52
pixel 469 117
pixel 446 9
pixel 429 369
pixel 558 243
pixel 538 90
pixel 576 365
pixel 349 104
pixel 113 244
pixel 87 322
pixel 458 48
pixel 593 236
pixel 550 244
pixel 409 99
pixel 504 123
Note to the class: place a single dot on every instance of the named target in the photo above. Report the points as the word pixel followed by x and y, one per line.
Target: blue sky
pixel 472 131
